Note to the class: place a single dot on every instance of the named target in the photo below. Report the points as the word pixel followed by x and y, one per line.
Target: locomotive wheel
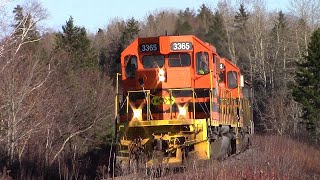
pixel 245 142
pixel 225 147
pixel 233 145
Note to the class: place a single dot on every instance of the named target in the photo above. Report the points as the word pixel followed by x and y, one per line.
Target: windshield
pixel 153 61
pixel 179 60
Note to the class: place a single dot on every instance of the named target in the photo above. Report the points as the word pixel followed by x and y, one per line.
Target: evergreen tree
pixel 307 88
pixel 281 25
pixel 74 40
pixel 240 37
pixel 204 19
pixel 187 14
pixel 129 33
pixel 217 34
pixel 24 23
pixel 278 37
pixel 103 59
pixel 18 18
pixel 183 25
pixel 241 18
pixel 183 28
pixel 205 15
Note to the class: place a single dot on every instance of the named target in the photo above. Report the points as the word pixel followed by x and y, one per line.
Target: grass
pixel 4 174
pixel 269 158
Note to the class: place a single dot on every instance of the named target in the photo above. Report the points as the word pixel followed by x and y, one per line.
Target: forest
pixel 58 87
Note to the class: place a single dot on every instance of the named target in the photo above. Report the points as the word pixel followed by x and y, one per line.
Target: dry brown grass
pixel 4 174
pixel 270 158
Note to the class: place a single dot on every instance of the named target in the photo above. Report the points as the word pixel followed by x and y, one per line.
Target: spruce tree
pixel 128 34
pixel 205 15
pixel 217 34
pixel 24 22
pixel 241 18
pixel 102 51
pixel 279 38
pixel 307 88
pixel 74 40
pixel 183 28
pixel 281 25
pixel 240 37
pixel 204 19
pixel 183 25
pixel 18 18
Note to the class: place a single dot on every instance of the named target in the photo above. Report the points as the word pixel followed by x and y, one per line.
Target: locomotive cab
pixel 229 77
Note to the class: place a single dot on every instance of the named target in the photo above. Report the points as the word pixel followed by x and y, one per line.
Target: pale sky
pixel 94 14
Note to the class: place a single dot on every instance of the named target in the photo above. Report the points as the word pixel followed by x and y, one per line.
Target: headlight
pixel 137 114
pixel 182 111
pixel 161 72
pixel 161 75
pixel 162 78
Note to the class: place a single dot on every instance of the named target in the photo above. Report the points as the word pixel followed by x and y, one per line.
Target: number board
pixel 181 46
pixel 149 47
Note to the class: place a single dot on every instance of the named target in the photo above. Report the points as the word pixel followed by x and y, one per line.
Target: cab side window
pixel 232 79
pixel 202 63
pixel 131 66
pixel 247 91
pixel 222 73
pixel 221 77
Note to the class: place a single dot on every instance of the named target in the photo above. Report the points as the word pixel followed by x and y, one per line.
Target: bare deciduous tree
pixel 308 10
pixel 228 13
pixel 22 76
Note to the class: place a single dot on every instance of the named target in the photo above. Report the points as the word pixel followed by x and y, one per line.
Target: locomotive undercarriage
pixel 162 145
pixel 168 143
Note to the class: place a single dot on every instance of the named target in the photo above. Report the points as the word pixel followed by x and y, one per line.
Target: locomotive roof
pixel 171 38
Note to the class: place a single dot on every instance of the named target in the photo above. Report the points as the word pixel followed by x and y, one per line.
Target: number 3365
pixel 181 46
pixel 149 47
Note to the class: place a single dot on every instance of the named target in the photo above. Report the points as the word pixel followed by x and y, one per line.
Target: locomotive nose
pixel 147 78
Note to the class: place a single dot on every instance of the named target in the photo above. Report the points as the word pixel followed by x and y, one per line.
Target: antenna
pixel 166 32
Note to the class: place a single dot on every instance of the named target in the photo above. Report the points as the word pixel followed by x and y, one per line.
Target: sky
pixel 94 14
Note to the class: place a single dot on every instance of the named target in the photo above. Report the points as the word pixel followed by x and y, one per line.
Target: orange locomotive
pixel 180 100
